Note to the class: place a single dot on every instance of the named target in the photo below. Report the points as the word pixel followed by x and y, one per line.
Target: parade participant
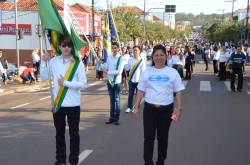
pixel 206 55
pixel 158 85
pixel 178 61
pixel 216 56
pixel 237 60
pixel 70 107
pixel 222 66
pixel 136 65
pixel 188 63
pixel 125 73
pixel 114 67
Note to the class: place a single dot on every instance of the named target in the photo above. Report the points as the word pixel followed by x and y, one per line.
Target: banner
pixel 11 29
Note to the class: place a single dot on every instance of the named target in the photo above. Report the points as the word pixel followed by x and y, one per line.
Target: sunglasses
pixel 67 45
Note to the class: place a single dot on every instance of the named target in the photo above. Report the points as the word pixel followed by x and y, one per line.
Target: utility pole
pixel 232 7
pixel 144 20
pixel 93 21
pixel 17 38
pixel 247 18
pixel 222 10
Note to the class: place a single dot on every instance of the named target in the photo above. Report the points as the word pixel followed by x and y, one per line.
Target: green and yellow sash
pixel 63 90
pixel 132 71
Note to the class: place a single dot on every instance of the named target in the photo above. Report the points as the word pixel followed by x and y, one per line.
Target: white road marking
pixel 95 83
pixel 201 62
pixel 22 105
pixel 205 86
pixel 227 83
pixel 104 88
pixel 185 83
pixel 44 98
pixel 248 83
pixel 84 155
pixel 248 92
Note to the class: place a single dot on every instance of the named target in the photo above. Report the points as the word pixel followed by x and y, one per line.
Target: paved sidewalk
pixel 14 86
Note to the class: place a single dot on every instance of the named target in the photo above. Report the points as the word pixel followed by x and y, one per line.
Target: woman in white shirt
pixel 158 85
pixel 216 57
pixel 223 59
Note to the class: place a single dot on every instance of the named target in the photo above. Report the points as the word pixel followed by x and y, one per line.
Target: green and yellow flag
pixel 56 28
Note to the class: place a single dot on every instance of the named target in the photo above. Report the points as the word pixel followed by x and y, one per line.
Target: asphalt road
pixel 214 129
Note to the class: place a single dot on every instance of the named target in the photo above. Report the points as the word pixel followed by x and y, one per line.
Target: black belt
pixel 158 106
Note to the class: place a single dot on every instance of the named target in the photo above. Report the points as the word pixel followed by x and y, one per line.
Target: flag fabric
pixel 106 41
pixel 56 29
pixel 113 32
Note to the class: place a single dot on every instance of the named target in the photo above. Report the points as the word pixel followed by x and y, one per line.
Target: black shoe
pixel 110 122
pixel 239 90
pixel 233 90
pixel 116 123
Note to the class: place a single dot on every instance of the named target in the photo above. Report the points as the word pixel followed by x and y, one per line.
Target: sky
pixel 186 6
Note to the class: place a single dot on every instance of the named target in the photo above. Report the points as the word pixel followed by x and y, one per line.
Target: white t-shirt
pixel 160 84
pixel 223 57
pixel 126 58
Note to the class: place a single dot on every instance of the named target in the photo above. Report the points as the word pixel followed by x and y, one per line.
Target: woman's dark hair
pixel 116 44
pixel 158 47
pixel 136 46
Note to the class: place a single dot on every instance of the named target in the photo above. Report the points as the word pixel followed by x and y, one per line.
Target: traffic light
pixel 20 34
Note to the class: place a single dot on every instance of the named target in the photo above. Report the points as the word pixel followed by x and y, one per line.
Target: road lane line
pixel 227 84
pixel 84 155
pixel 19 106
pixel 248 92
pixel 104 88
pixel 95 83
pixel 248 83
pixel 44 98
pixel 205 86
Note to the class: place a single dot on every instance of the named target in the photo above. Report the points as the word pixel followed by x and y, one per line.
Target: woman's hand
pixel 176 115
pixel 136 112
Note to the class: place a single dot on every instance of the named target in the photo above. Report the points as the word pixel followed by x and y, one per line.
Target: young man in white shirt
pixel 114 67
pixel 70 107
pixel 136 65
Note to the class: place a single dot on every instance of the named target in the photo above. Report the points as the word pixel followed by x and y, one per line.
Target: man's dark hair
pixel 116 44
pixel 65 40
pixel 137 46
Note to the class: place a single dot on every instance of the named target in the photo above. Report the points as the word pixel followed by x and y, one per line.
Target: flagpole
pixel 49 74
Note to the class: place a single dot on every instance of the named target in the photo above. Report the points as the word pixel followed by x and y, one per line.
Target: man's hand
pixel 61 81
pixel 136 112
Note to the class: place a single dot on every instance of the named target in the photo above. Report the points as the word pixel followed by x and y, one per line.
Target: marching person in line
pixel 136 65
pixel 206 55
pixel 222 66
pixel 237 60
pixel 216 56
pixel 188 63
pixel 114 67
pixel 125 73
pixel 158 85
pixel 70 107
pixel 178 61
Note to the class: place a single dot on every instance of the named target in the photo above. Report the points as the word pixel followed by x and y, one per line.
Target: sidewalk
pixel 14 86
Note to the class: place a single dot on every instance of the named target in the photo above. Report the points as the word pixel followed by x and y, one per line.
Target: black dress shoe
pixel 110 122
pixel 239 90
pixel 233 90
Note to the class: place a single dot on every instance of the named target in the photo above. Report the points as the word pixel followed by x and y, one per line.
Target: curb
pixel 21 89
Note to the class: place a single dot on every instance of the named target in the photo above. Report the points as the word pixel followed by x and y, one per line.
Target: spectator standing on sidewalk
pixel 237 60
pixel 70 107
pixel 36 62
pixel 158 85
pixel 114 67
pixel 4 63
pixel 136 65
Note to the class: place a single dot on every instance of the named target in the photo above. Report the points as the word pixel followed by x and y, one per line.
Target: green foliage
pixel 130 26
pixel 224 31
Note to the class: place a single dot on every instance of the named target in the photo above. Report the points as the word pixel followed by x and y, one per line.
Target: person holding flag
pixel 136 65
pixel 69 78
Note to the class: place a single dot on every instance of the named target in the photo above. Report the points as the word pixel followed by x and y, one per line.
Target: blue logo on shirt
pixel 160 78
